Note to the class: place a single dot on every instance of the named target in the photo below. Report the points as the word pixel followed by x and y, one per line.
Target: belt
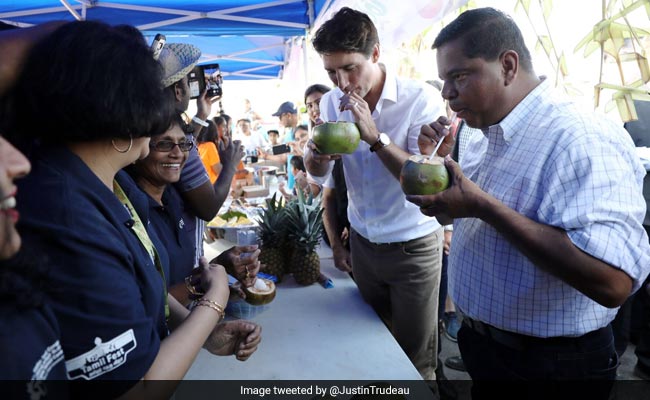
pixel 391 244
pixel 518 341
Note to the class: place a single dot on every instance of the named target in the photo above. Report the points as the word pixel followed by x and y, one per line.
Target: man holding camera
pixel 203 199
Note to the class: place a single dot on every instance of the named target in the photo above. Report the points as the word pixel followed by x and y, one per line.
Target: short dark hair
pixel 316 88
pixel 486 33
pixel 89 81
pixel 270 131
pixel 349 31
pixel 209 133
pixel 303 127
pixel 297 163
pixel 219 119
pixel 228 120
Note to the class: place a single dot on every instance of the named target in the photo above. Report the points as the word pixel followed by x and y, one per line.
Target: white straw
pixel 454 117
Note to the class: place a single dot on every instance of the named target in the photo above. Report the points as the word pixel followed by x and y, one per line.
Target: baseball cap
pixel 286 107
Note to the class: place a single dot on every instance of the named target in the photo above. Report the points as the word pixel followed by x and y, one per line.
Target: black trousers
pixel 505 365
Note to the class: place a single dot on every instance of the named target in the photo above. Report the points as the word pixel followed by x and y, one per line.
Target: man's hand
pixel 230 153
pixel 239 337
pixel 342 259
pixel 317 156
pixel 204 103
pixel 462 199
pixel 361 111
pixel 431 134
pixel 317 164
pixel 241 262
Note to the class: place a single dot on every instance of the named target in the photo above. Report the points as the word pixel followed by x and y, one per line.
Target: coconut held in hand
pixel 262 292
pixel 420 175
pixel 336 137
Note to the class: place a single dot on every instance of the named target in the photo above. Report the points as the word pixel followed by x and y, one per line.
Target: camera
pixel 212 73
pixel 195 82
pixel 281 149
pixel 201 75
pixel 157 45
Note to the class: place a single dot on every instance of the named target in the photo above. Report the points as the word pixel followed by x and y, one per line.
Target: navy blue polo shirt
pixel 109 297
pixel 31 353
pixel 176 235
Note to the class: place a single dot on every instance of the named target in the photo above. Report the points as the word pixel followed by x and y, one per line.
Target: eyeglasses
pixel 167 145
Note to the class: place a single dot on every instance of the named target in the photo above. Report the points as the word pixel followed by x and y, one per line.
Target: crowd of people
pixel 104 197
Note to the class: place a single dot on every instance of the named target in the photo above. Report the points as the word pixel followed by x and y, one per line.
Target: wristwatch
pixel 382 142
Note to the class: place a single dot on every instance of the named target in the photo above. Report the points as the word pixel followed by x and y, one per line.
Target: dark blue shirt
pixel 109 300
pixel 31 354
pixel 177 236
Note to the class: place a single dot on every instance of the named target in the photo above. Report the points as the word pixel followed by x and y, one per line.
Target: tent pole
pixel 74 13
pixel 305 62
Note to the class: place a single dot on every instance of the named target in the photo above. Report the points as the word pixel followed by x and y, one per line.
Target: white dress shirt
pixel 562 167
pixel 377 207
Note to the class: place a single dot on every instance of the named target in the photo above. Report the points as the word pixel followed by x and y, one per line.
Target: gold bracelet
pixel 219 311
pixel 191 288
pixel 213 303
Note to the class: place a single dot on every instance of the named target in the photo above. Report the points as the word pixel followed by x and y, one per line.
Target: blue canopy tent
pixel 250 39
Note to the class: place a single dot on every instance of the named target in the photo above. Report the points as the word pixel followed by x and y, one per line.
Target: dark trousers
pixel 442 296
pixel 632 323
pixel 643 345
pixel 505 365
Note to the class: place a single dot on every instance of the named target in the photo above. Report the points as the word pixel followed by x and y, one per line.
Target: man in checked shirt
pixel 548 210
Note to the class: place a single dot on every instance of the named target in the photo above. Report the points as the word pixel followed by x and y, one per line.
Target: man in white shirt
pixel 250 139
pixel 396 252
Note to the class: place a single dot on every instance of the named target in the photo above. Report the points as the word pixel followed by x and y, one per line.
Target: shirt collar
pixel 389 92
pixel 518 118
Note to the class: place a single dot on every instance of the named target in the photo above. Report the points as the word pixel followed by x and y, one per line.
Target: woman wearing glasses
pixel 107 266
pixel 155 175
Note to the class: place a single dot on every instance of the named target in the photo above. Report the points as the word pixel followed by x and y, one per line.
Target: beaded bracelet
pixel 191 288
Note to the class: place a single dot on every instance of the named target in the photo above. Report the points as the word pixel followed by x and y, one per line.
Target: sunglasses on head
pixel 168 145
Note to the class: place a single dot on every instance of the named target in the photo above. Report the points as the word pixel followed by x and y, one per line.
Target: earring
pixel 121 150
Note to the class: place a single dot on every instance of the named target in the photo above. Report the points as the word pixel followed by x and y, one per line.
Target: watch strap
pixel 378 144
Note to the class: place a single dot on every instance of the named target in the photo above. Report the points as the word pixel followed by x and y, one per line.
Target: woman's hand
pixel 239 337
pixel 213 281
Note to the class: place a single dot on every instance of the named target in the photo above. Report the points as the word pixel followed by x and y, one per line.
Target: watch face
pixel 382 141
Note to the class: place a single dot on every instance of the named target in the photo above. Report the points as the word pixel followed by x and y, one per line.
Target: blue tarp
pixel 248 38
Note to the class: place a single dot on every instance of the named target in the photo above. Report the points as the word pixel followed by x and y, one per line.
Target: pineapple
pixel 304 219
pixel 273 237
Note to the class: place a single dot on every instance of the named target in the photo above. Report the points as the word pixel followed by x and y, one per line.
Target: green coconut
pixel 336 137
pixel 259 293
pixel 420 175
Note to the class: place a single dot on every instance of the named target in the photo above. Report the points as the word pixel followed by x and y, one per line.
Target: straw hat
pixel 178 59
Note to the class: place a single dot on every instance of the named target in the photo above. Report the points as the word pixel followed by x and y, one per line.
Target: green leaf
pixel 562 65
pixel 641 96
pixel 625 106
pixel 547 7
pixel 524 3
pixel 545 42
pixel 644 68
